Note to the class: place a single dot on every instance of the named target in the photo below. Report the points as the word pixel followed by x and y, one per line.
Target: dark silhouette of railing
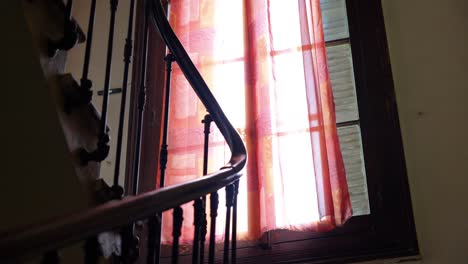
pixel 121 213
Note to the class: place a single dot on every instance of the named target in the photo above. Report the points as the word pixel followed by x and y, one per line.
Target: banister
pixel 66 230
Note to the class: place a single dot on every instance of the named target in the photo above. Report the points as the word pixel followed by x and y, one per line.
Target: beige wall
pixel 428 42
pixel 97 69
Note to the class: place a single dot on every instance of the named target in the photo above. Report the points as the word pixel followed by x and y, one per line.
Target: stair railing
pixel 120 214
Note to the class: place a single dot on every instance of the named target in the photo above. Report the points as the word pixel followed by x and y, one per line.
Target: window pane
pixel 340 65
pixel 335 19
pixel 351 148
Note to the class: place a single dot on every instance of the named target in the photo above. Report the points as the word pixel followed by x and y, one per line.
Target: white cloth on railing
pixel 110 243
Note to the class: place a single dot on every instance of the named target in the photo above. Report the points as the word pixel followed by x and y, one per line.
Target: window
pixel 382 225
pixel 340 64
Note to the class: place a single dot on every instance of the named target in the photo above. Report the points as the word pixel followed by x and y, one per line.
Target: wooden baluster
pixel 141 108
pixel 207 123
pixel 197 208
pixel 176 232
pixel 110 46
pixel 214 201
pixel 152 234
pixel 169 59
pixel 229 202
pixel 127 57
pixel 103 144
pixel 203 230
pixel 86 84
pixel 84 94
pixel 234 222
pixel 139 124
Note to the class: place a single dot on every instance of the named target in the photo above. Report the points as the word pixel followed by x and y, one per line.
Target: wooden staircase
pixel 49 198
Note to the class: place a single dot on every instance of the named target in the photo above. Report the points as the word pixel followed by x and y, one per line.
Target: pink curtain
pixel 265 61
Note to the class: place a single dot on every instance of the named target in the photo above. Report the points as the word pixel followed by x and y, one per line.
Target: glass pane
pixel 335 19
pixel 351 148
pixel 340 66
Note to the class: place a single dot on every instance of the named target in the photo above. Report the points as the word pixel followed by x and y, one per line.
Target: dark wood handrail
pixel 66 230
pixel 76 227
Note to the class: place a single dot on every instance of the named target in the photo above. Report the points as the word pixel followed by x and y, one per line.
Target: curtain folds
pixel 265 61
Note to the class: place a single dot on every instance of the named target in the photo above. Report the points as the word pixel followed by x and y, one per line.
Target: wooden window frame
pixel 389 230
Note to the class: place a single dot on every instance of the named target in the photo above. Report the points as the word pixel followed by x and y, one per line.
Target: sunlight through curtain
pixel 265 62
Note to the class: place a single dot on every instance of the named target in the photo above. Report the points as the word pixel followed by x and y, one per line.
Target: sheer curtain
pixel 265 61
